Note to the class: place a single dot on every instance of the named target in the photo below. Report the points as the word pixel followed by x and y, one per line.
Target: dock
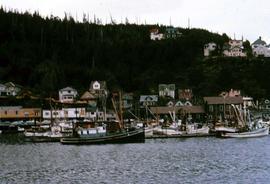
pixel 179 136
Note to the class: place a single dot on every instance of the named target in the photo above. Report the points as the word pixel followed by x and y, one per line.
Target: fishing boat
pixel 254 133
pixel 105 134
pixel 124 136
pixel 247 128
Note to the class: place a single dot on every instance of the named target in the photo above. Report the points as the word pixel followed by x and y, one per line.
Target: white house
pixel 67 95
pixel 155 35
pixel 260 48
pixel 3 91
pixel 234 48
pixel 166 90
pixel 209 47
pixel 148 100
pixel 12 89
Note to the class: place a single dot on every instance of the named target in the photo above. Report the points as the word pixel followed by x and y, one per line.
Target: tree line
pixel 47 54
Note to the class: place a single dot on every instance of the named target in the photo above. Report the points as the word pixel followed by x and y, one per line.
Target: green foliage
pixel 46 54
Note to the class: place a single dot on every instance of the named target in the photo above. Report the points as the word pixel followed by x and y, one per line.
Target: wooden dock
pixel 179 136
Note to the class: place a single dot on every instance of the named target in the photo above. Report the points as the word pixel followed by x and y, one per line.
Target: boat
pixel 125 136
pixel 255 133
pixel 247 128
pixel 107 132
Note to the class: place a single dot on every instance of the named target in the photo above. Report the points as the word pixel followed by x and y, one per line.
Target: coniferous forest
pixel 47 54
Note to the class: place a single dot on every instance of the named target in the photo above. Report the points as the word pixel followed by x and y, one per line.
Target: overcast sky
pixel 247 18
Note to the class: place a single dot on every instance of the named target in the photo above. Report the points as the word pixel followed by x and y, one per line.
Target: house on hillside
pixel 3 91
pixel 67 95
pixel 260 48
pixel 148 100
pixel 89 98
pixel 12 89
pixel 98 88
pixel 172 32
pixel 166 90
pixel 155 35
pixel 127 100
pixel 185 94
pixel 209 48
pixel 234 48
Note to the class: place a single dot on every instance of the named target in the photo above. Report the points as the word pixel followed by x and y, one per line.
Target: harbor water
pixel 190 160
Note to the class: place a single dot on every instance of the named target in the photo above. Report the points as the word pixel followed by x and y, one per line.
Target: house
pixel 231 93
pixel 127 99
pixel 67 95
pixel 155 35
pixel 148 100
pixel 234 48
pixel 12 89
pixel 221 107
pixel 3 91
pixel 264 105
pixel 260 48
pixel 209 48
pixel 166 90
pixel 185 94
pixel 98 88
pixel 89 98
pixel 172 32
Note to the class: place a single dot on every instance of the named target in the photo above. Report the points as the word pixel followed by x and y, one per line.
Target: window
pixel 5 112
pixel 47 113
pixel 69 91
pixel 16 112
pixel 211 108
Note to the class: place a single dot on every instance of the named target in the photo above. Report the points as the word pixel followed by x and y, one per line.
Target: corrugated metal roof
pixel 221 100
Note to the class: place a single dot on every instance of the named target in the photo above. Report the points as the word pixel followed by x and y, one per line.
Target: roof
pixel 87 96
pixel 11 84
pixel 68 89
pixel 164 86
pixel 221 100
pixel 148 98
pixel 186 109
pixel 102 84
pixel 259 41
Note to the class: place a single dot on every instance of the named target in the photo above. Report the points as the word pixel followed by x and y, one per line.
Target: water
pixel 192 160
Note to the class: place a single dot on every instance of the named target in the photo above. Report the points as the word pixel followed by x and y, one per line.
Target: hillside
pixel 46 54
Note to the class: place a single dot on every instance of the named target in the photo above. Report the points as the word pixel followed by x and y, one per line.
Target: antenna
pixel 188 23
pixel 170 21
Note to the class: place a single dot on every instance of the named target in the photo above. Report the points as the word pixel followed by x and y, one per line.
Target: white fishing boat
pixel 226 129
pixel 255 133
pixel 248 128
pixel 193 129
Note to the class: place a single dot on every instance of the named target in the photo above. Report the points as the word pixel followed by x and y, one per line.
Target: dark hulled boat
pixel 124 136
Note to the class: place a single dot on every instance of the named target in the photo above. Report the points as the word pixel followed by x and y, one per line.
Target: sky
pixel 237 18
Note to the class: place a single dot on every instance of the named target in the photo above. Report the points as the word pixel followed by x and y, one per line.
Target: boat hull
pixel 136 136
pixel 256 133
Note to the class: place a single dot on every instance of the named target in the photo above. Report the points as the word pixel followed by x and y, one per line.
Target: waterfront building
pixel 220 107
pixel 15 113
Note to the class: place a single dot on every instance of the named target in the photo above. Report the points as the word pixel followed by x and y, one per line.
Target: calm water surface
pixel 192 160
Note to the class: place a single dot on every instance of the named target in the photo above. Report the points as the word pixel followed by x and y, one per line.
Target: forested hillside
pixel 46 54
